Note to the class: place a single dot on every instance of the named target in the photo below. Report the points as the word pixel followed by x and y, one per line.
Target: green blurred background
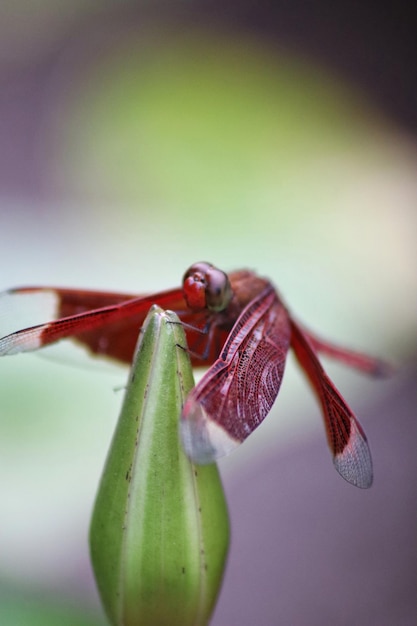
pixel 137 139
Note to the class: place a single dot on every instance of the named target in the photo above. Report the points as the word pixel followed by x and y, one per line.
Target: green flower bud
pixel 159 531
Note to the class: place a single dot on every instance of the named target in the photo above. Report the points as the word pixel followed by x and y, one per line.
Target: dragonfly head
pixel 206 287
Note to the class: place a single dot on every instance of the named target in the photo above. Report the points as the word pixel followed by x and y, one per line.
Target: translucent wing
pixel 238 391
pixel 107 324
pixel 347 440
pixel 362 362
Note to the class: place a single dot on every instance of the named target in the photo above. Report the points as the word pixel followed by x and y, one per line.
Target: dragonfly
pixel 238 325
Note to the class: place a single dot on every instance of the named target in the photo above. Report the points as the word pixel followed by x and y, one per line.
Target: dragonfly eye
pixel 206 287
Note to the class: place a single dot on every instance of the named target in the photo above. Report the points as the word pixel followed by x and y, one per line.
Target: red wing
pixel 238 391
pixel 347 441
pixel 363 362
pixel 106 323
pixel 67 302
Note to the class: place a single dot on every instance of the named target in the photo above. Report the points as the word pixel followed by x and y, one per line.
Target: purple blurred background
pixel 371 45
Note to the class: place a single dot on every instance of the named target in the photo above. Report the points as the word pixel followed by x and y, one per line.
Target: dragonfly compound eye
pixel 218 290
pixel 206 287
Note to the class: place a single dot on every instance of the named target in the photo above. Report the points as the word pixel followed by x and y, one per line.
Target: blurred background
pixel 137 138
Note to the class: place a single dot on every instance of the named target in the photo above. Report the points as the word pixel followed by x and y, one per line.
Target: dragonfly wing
pixel 69 302
pixel 238 391
pixel 111 329
pixel 362 362
pixel 346 438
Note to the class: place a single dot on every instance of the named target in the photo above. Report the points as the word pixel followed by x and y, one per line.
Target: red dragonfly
pixel 238 325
